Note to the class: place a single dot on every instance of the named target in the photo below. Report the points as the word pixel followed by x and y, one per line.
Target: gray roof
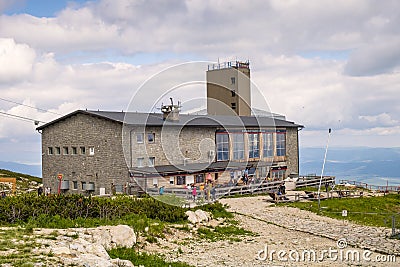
pixel 199 167
pixel 156 119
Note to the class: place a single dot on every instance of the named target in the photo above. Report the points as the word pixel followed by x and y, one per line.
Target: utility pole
pixel 322 172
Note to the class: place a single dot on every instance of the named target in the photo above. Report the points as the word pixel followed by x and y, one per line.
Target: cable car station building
pixel 97 152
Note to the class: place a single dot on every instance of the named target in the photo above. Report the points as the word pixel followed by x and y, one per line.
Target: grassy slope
pixel 374 211
pixel 7 173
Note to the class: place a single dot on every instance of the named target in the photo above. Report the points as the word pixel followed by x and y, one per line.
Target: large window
pixel 254 145
pixel 181 180
pixel 238 146
pixel 152 161
pixel 199 178
pixel 151 137
pixel 222 146
pixel 278 174
pixel 268 145
pixel 139 138
pixel 139 162
pixel 281 143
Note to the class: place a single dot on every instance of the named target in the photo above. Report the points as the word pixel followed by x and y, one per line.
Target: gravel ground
pixel 276 229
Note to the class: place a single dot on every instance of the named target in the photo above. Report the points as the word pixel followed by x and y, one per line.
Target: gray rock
pixel 125 263
pixel 58 251
pixel 192 218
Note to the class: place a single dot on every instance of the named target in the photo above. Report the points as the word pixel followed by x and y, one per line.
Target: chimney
pixel 171 112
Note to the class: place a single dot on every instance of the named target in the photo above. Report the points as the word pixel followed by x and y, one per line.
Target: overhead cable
pixel 44 110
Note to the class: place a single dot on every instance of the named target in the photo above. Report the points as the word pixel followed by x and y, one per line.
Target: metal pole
pixel 322 172
pixel 393 225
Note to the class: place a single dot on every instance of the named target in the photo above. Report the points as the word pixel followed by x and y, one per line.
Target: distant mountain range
pixel 34 170
pixel 370 165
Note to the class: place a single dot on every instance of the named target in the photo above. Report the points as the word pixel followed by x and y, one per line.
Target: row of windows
pixel 151 137
pixel 184 180
pixel 151 162
pixel 253 139
pixel 88 186
pixel 69 150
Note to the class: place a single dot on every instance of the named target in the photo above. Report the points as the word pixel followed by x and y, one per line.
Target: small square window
pixel 65 150
pixel 91 150
pixel 152 161
pixel 58 150
pixel 50 150
pixel 75 184
pixel 172 180
pixel 233 105
pixel 83 150
pixel 139 162
pixel 150 137
pixel 233 92
pixel 233 80
pixel 74 150
pixel 139 138
pixel 83 185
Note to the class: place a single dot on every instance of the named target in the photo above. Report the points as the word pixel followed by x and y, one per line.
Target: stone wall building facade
pixel 101 152
pixel 92 151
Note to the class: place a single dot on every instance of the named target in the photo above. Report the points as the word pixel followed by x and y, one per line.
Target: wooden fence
pixel 251 189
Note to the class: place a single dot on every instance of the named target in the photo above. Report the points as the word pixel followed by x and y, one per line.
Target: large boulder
pixel 90 248
pixel 114 236
pixel 192 218
pixel 198 216
pixel 202 215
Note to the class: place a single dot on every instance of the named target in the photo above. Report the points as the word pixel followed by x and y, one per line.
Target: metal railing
pixel 221 190
pixel 229 64
pixel 312 181
pixel 381 188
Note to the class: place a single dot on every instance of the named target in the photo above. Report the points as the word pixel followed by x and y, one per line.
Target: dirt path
pixel 255 215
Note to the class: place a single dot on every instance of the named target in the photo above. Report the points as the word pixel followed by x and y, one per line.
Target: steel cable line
pixel 45 110
pixel 20 117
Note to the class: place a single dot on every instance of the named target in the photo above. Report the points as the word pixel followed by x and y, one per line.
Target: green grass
pixel 224 232
pixel 171 199
pixel 372 211
pixel 217 210
pixel 19 242
pixel 143 259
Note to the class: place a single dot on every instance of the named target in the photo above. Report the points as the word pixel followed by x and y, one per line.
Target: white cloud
pixel 373 59
pixel 383 119
pixel 47 62
pixel 207 27
pixel 16 60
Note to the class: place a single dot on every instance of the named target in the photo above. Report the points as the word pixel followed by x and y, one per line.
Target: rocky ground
pixel 291 231
pixel 281 236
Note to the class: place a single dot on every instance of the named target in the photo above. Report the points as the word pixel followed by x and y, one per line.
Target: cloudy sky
pixel 324 64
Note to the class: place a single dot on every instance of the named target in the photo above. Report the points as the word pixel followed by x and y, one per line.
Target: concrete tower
pixel 228 89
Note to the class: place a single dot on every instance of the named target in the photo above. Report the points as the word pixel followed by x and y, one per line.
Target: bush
pixel 69 209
